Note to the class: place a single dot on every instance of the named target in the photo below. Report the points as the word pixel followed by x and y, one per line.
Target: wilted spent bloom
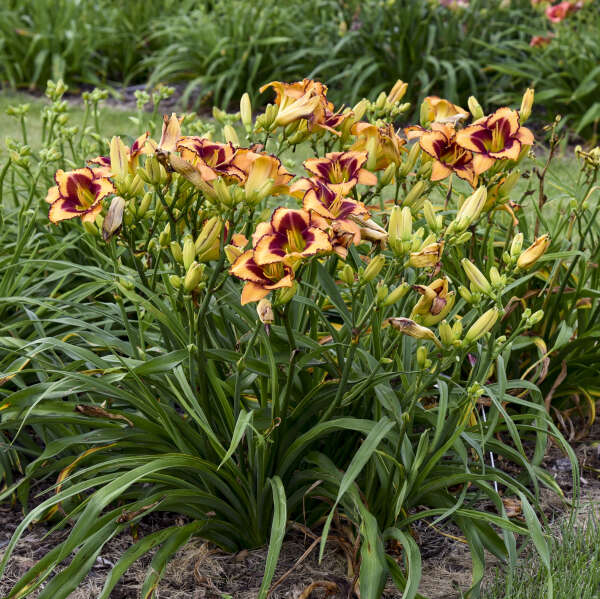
pixel 114 218
pixel 435 302
pixel 439 110
pixel 481 326
pixel 78 193
pixel 534 252
pixel 264 309
pixel 409 327
pixel 428 256
pixel 383 144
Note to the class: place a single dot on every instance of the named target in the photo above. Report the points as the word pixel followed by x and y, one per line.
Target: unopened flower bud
pixel 143 206
pixel 193 276
pixel 232 252
pixel 526 105
pixel 534 252
pixel 535 318
pixel 466 294
pixel 347 274
pixel 265 311
pixel 175 281
pixel 396 294
pixel 382 293
pixel 446 335
pixel 477 278
pixel 189 252
pixel 399 228
pixel 397 92
pixel 286 294
pixel 360 108
pixel 380 102
pixel 176 251
pixel 413 196
pixel 433 221
pixel 410 161
pixel 422 357
pixel 388 176
pixel 373 268
pixel 230 135
pixel 495 279
pixel 475 108
pixel 482 325
pixel 91 228
pixel 469 211
pixel 246 112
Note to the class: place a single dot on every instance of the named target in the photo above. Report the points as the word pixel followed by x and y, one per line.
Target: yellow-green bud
pixel 230 135
pixel 446 335
pixel 371 153
pixel 189 252
pixel 373 268
pixel 176 251
pixel 347 274
pixel 175 281
pixel 91 228
pixel 360 109
pixel 469 211
pixel 165 236
pixel 413 196
pixel 535 318
pixel 477 278
pixel 382 293
pixel 466 294
pixel 475 108
pixel 495 278
pixel 422 357
pixel 246 112
pixel 286 294
pixel 482 325
pixel 380 102
pixel 463 238
pixel 517 245
pixel 396 294
pixel 388 176
pixel 433 221
pixel 526 105
pixel 399 229
pixel 410 161
pixel 232 252
pixel 143 206
pixel 193 276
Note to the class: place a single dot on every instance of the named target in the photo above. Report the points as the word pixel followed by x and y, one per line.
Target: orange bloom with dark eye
pixel 289 237
pixel 389 146
pixel 78 193
pixel 101 164
pixel 260 280
pixel 211 158
pixel 492 138
pixel 340 171
pixel 340 215
pixel 441 144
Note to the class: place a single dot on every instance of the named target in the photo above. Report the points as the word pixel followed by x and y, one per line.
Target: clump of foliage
pixel 305 316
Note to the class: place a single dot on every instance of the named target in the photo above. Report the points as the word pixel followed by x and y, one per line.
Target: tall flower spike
pixel 78 193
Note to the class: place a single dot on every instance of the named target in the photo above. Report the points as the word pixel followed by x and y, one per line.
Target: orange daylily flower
pixel 439 110
pixel 341 171
pixel 332 211
pixel 492 138
pixel 212 159
pixel 289 237
pixel 260 280
pixel 265 175
pixel 78 193
pixel 440 143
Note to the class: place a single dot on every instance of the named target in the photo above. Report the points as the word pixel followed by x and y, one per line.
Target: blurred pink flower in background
pixel 540 40
pixel 560 11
